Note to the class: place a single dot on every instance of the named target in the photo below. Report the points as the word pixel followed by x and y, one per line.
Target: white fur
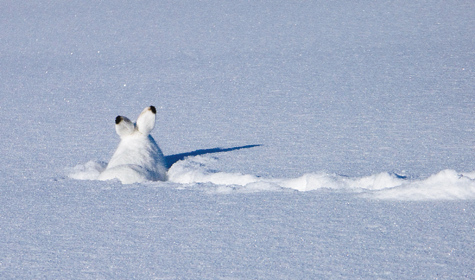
pixel 138 157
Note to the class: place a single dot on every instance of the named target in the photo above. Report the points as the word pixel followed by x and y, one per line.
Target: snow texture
pixel 301 140
pixel 445 185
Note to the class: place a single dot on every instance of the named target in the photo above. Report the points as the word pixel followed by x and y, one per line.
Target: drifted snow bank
pixel 193 171
pixel 446 185
pixel 89 171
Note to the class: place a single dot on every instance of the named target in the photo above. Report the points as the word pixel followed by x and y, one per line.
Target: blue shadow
pixel 171 159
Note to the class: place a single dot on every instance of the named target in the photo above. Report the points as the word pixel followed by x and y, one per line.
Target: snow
pixel 445 185
pixel 313 140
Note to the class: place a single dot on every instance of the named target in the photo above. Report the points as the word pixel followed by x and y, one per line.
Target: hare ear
pixel 123 126
pixel 146 120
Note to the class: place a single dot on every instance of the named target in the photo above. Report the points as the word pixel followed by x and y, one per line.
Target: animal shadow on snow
pixel 171 159
pixel 138 157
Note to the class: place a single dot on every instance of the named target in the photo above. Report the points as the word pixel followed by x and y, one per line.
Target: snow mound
pixel 89 171
pixel 193 172
pixel 445 185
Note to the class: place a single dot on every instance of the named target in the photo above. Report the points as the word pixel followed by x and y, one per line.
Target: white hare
pixel 138 157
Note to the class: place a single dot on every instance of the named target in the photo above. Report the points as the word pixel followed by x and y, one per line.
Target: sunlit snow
pixel 300 140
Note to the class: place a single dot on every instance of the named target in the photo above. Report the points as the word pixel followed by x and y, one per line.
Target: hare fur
pixel 138 157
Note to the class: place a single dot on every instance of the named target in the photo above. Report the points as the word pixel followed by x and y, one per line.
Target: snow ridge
pixel 193 171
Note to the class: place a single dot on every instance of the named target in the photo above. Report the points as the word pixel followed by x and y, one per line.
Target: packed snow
pixel 292 140
pixel 445 185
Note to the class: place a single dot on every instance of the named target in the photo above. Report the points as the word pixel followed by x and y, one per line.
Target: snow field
pixel 357 119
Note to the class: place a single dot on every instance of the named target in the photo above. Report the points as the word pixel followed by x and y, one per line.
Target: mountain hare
pixel 138 157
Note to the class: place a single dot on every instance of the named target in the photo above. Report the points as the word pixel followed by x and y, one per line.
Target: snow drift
pixel 193 172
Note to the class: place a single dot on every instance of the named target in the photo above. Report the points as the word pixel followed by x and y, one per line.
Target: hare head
pixel 138 157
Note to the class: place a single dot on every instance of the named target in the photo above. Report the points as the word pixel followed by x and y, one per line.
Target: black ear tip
pixel 153 109
pixel 118 119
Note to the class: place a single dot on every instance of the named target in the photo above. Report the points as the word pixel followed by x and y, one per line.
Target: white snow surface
pixel 304 140
pixel 445 185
